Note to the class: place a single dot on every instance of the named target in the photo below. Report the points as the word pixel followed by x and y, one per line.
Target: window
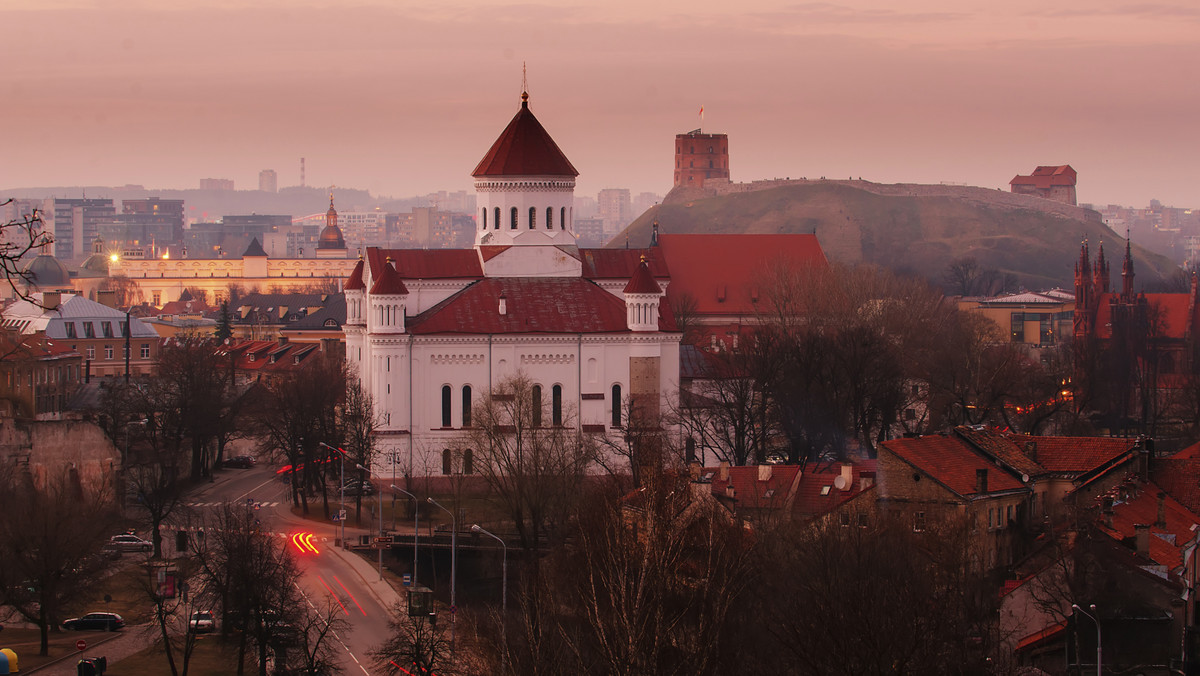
pixel 145 350
pixel 91 351
pixel 466 404
pixel 108 351
pixel 468 462
pixel 616 405
pixel 485 218
pixel 689 452
pixel 107 326
pixel 562 218
pixel 513 225
pixel 89 331
pixel 1008 516
pixel 536 404
pixel 70 326
pixel 532 217
pixel 549 218
pixel 1017 327
pixel 919 521
pixel 156 298
pixel 556 405
pixel 991 518
pixel 844 518
pixel 446 407
pixel 496 220
pixel 447 461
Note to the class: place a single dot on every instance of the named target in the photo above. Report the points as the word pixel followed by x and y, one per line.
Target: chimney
pixel 51 299
pixel 1031 450
pixel 1142 539
pixel 1143 461
pixel 1106 511
pixel 723 471
pixel 981 481
pixel 847 475
pixel 730 492
pixel 764 472
pixel 1161 522
pixel 503 304
pixel 866 480
pixel 283 340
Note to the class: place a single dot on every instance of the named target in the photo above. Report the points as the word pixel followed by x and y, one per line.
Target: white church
pixel 431 332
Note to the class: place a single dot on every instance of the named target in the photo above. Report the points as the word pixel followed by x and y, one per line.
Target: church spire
pixel 1101 272
pixel 1127 272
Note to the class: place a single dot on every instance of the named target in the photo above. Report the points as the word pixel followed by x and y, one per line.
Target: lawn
pixel 212 657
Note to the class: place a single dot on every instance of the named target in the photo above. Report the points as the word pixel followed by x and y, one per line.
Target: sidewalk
pixel 368 572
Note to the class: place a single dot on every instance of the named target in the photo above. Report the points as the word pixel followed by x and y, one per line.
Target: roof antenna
pixel 524 86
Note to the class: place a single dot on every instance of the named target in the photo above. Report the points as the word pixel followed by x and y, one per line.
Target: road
pixel 330 575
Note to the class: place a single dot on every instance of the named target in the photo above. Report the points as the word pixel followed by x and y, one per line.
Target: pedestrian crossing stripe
pixel 218 504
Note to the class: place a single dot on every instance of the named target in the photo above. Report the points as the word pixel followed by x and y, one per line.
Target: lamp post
pixel 416 526
pixel 453 564
pixel 1094 618
pixel 342 502
pixel 378 515
pixel 476 528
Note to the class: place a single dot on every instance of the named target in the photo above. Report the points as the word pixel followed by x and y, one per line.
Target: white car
pixel 129 543
pixel 202 622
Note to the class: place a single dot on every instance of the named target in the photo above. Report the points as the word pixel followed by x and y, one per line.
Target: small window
pixel 562 218
pixel 769 493
pixel 556 405
pixel 447 461
pixel 513 225
pixel 446 407
pixel 108 331
pixel 919 522
pixel 468 462
pixel 532 217
pixel 70 326
pixel 466 408
pixel 91 351
pixel 89 331
pixel 485 218
pixel 844 519
pixel 145 350
pixel 496 220
pixel 825 490
pixel 536 405
pixel 616 405
pixel 549 218
pixel 156 298
pixel 108 351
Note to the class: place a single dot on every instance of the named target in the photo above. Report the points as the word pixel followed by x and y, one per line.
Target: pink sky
pixel 403 98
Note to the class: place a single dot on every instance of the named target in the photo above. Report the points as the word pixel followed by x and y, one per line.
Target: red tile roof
pixel 721 271
pixel 1143 509
pixel 952 462
pixel 621 263
pixel 1075 454
pixel 1046 176
pixel 817 494
pixel 642 282
pixel 533 305
pixel 1179 477
pixel 751 493
pixel 355 282
pixel 388 282
pixel 524 149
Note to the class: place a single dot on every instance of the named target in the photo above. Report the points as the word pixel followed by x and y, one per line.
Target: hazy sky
pixel 404 97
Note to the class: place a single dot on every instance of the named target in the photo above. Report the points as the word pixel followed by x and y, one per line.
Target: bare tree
pixel 415 645
pixel 51 538
pixel 126 291
pixel 19 237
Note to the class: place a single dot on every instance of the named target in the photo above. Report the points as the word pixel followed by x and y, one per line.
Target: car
pixel 356 487
pixel 202 622
pixel 240 462
pixel 128 543
pixel 95 621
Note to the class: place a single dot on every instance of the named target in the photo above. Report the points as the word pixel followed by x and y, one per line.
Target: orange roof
pixel 817 493
pixel 721 271
pixel 1041 636
pixel 1166 543
pixel 1179 476
pixel 1045 176
pixel 754 494
pixel 1075 454
pixel 952 462
pixel 524 149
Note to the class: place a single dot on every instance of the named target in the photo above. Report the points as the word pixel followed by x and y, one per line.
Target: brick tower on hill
pixel 700 157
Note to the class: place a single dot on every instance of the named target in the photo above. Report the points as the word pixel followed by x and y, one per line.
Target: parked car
pixel 357 487
pixel 128 543
pixel 240 462
pixel 202 622
pixel 96 621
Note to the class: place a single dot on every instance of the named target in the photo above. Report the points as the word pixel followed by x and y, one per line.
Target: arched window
pixel 536 403
pixel 549 218
pixel 447 461
pixel 466 402
pixel 468 462
pixel 485 218
pixel 445 406
pixel 710 164
pixel 513 225
pixel 496 220
pixel 616 405
pixel 562 218
pixel 556 405
pixel 532 217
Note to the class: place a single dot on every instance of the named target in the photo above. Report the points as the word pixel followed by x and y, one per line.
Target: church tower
pixel 331 243
pixel 525 191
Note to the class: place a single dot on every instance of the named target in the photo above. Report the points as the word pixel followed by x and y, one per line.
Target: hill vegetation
pixel 920 230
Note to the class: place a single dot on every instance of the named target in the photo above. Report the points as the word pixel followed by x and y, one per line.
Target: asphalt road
pixel 331 577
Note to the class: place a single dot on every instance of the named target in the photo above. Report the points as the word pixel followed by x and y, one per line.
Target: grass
pixel 27 642
pixel 212 657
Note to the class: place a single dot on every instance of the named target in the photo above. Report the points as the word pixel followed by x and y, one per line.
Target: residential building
pixel 268 180
pixel 39 375
pixel 75 223
pixel 1036 319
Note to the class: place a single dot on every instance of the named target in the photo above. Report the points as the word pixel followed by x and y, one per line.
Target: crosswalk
pixel 199 505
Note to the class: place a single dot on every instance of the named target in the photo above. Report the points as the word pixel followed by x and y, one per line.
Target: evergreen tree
pixel 224 325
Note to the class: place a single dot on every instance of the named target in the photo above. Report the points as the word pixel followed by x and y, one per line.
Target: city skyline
pixel 401 98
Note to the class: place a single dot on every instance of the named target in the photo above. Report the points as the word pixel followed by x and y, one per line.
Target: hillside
pixel 912 229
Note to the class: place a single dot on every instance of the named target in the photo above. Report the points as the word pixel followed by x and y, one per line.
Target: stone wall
pixel 48 448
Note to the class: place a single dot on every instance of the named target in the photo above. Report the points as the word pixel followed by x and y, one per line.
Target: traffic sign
pixel 341 515
pixel 406 579
pixel 81 645
pixel 384 540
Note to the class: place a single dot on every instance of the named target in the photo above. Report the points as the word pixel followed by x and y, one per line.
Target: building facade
pixel 700 157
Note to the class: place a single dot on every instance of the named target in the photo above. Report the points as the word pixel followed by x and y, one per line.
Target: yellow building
pixel 1036 319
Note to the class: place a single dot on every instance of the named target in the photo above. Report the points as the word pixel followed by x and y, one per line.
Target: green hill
pixel 909 228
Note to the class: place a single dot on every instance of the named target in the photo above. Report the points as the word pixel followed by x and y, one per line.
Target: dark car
pixel 95 621
pixel 356 487
pixel 128 543
pixel 239 462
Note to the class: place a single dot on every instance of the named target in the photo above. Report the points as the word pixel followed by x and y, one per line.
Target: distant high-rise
pixel 700 157
pixel 75 223
pixel 268 180
pixel 615 209
pixel 216 184
pixel 144 224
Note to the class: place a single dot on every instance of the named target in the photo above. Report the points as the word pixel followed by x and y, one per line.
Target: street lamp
pixel 453 564
pixel 1095 618
pixel 342 503
pixel 476 528
pixel 416 527
pixel 378 514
